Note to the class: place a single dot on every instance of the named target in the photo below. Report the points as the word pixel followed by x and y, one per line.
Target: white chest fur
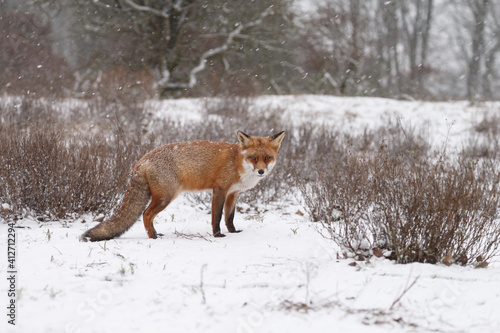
pixel 248 179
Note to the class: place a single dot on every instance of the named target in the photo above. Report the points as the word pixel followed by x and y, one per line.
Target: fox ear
pixel 277 138
pixel 244 139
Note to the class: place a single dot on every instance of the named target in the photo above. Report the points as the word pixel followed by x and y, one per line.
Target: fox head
pixel 259 153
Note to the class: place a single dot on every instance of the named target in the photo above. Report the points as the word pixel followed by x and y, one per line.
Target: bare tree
pixel 213 47
pixel 479 9
pixel 335 43
pixel 477 25
pixel 175 40
pixel 416 18
pixel 388 44
pixel 371 47
pixel 28 65
pixel 491 75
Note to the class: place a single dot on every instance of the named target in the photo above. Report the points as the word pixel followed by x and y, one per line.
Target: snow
pixel 256 280
pixel 445 123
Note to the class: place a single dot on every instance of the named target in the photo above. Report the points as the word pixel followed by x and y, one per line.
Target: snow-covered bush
pixel 56 163
pixel 52 173
pixel 410 207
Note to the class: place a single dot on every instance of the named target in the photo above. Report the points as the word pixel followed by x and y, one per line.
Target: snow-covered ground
pixel 445 123
pixel 259 280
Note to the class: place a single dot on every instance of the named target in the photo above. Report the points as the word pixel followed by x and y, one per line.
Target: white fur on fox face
pixel 247 166
pixel 250 169
pixel 270 166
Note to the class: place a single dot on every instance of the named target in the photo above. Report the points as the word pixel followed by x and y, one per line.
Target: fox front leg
pixel 229 209
pixel 218 199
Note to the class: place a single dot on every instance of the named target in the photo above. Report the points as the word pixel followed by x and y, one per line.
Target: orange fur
pixel 226 169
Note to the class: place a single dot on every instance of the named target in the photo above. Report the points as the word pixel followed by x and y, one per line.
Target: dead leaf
pixel 448 260
pixel 483 264
pixel 377 252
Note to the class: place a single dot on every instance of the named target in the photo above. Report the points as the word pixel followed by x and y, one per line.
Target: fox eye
pixel 253 158
pixel 267 158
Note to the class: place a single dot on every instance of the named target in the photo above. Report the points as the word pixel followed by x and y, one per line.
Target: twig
pixel 57 250
pixel 190 236
pixel 96 264
pixel 404 292
pixel 201 284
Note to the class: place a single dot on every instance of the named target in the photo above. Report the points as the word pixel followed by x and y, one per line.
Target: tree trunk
pixel 479 11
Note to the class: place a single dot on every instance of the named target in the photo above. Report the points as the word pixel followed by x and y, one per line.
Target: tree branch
pixel 146 9
pixel 217 50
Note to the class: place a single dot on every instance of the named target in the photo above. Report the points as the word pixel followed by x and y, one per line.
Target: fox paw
pixel 218 234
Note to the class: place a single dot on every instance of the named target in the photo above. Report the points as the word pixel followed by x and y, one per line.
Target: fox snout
pixel 263 171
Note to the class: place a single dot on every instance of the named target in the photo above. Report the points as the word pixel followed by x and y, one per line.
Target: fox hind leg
pixel 158 203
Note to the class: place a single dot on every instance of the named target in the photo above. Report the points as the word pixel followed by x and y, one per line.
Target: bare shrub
pixel 71 157
pixel 418 209
pixel 427 211
pixel 484 143
pixel 340 198
pixel 401 141
pixel 48 172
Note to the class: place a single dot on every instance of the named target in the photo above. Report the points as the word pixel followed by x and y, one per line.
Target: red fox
pixel 163 173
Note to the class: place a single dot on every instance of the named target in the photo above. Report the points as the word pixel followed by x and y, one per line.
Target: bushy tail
pixel 133 204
